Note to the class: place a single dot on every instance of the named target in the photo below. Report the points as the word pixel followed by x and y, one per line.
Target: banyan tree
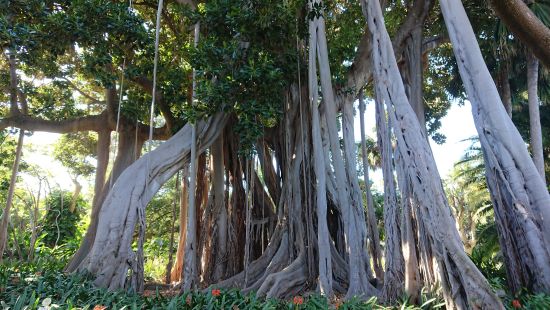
pixel 264 143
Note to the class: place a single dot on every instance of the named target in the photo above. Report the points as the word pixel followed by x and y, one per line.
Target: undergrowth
pixel 42 286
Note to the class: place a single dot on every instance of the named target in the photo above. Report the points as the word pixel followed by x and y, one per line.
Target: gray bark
pixel 374 234
pixel 220 210
pixel 463 285
pixel 323 236
pixel 520 198
pixel 190 272
pixel 413 75
pixel 111 250
pixel 359 285
pixel 393 257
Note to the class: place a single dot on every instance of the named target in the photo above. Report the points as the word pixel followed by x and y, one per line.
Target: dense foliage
pixel 60 223
pixel 31 286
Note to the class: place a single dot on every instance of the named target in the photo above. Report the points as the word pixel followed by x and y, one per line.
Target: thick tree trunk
pixel 111 250
pixel 535 131
pixel 413 75
pixel 409 244
pixel 520 198
pixel 350 151
pixel 4 220
pixel 463 285
pixel 102 155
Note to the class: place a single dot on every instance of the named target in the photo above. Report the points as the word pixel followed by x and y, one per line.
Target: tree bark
pixel 520 198
pixel 393 257
pixel 505 91
pixel 374 234
pixel 523 23
pixel 190 272
pixel 463 285
pixel 220 210
pixel 102 150
pixel 413 75
pixel 359 285
pixel 323 236
pixel 76 194
pixel 535 131
pixel 111 250
pixel 177 270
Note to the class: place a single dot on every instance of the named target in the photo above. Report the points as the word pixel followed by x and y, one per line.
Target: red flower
pixel 99 307
pixel 298 300
pixel 216 292
pixel 188 300
pixel 516 304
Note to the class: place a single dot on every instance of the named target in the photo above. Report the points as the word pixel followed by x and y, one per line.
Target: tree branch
pixel 82 92
pixel 432 43
pixel 86 123
pixel 521 21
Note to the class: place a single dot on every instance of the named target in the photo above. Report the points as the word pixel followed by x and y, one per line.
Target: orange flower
pixel 516 304
pixel 216 292
pixel 188 300
pixel 99 307
pixel 298 300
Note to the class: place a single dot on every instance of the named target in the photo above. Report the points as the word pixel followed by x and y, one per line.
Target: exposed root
pixel 279 261
pixel 285 282
pixel 258 267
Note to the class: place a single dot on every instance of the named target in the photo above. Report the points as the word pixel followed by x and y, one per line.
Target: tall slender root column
pixel 463 284
pixel 323 236
pixel 352 211
pixel 190 268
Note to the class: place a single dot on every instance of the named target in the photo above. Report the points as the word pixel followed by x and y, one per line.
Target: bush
pixel 61 223
pixel 41 286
